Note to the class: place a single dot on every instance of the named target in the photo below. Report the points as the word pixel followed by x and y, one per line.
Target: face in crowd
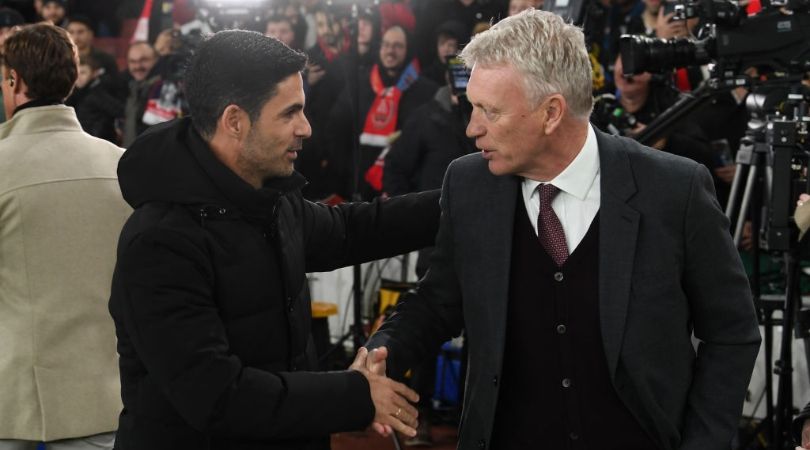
pixel 282 30
pixel 81 34
pixel 394 49
pixel 140 60
pixel 53 12
pixel 327 28
pixel 446 47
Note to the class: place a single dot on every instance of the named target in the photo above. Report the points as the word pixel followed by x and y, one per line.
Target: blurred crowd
pixel 390 89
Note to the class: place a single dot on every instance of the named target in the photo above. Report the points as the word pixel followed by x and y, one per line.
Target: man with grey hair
pixel 580 266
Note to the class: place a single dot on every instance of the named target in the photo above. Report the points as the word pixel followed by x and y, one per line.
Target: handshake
pixel 393 409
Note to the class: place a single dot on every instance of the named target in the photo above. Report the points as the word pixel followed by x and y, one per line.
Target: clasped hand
pixel 392 400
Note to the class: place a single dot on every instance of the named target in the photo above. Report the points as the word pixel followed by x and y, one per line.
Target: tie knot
pixel 547 193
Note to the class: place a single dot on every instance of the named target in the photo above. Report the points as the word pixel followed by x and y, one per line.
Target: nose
pixel 475 129
pixel 304 129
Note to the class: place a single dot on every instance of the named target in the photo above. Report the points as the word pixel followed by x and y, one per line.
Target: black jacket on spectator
pixel 97 108
pixel 313 162
pixel 433 137
pixel 106 61
pixel 432 13
pixel 211 306
pixel 339 129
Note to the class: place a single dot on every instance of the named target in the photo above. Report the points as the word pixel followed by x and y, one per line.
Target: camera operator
pixel 644 98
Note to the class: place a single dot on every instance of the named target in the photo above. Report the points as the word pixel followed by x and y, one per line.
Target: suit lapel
pixel 498 214
pixel 618 233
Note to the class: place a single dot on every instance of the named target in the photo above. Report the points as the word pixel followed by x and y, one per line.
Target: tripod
pixel 769 161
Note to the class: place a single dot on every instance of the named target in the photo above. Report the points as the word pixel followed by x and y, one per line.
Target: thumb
pixel 379 354
pixel 376 361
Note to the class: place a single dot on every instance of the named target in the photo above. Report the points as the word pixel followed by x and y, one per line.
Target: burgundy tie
pixel 549 229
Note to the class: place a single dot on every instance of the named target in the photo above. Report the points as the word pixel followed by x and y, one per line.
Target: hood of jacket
pixel 172 163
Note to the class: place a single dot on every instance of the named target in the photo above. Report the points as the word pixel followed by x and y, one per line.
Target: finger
pixel 405 391
pixel 360 359
pixel 380 429
pixel 405 412
pixel 402 428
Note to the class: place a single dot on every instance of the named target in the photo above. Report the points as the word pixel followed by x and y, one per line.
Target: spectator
pixel 141 59
pixel 388 94
pixel 644 99
pixel 281 28
pixel 9 18
pixel 320 165
pixel 332 39
pixel 167 42
pixel 290 10
pixel 96 107
pixel 436 12
pixel 614 19
pixel 81 29
pixel 448 39
pixel 54 11
pixel 60 215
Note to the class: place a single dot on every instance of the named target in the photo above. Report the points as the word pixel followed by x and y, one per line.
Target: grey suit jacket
pixel 667 269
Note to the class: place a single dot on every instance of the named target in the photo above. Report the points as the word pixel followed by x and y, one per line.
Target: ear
pixel 555 109
pixel 14 81
pixel 234 122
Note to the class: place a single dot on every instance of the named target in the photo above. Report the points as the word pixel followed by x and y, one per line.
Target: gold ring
pixel 399 410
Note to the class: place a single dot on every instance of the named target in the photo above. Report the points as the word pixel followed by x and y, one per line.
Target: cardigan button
pixel 482 443
pixel 558 276
pixel 561 329
pixel 566 382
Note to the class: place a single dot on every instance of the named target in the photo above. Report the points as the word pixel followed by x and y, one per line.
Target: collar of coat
pixel 41 119
pixel 172 163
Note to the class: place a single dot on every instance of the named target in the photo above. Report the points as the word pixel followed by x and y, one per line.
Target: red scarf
pixel 382 117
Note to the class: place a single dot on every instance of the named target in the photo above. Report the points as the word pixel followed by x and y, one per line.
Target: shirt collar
pixel 578 177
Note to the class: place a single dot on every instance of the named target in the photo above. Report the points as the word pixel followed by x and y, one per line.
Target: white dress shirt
pixel 578 200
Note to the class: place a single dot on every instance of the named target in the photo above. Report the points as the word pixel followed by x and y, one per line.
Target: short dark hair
pixel 45 58
pixel 84 20
pixel 236 67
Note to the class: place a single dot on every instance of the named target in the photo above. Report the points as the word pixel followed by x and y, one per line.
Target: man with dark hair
pixel 54 11
pixel 81 31
pixel 210 299
pixel 60 214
